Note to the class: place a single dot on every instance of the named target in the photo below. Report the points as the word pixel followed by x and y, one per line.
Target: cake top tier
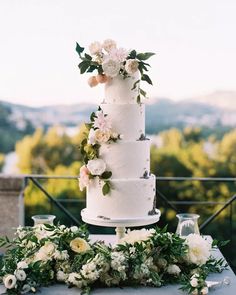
pixel 120 69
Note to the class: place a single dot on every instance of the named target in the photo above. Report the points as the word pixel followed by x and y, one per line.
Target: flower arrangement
pixel 47 254
pixel 98 131
pixel 110 61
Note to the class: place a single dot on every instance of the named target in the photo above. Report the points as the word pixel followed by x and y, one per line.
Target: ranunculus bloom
pixel 102 136
pixel 92 81
pixel 111 67
pixel 131 66
pixel 20 274
pixel 83 177
pixel 79 245
pixel 95 48
pixel 198 249
pixel 96 166
pixel 109 44
pixel 102 122
pixel 9 281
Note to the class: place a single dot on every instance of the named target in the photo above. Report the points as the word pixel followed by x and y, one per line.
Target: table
pixel 166 290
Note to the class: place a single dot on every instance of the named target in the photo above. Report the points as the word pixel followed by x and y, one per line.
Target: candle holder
pixel 188 224
pixel 43 219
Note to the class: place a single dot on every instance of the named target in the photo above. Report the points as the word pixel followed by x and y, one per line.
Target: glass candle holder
pixel 43 219
pixel 188 224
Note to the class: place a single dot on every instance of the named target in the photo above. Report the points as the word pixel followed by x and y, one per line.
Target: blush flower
pixel 102 136
pixel 83 177
pixel 111 67
pixel 131 66
pixel 109 44
pixel 79 245
pixel 118 54
pixel 102 122
pixel 95 48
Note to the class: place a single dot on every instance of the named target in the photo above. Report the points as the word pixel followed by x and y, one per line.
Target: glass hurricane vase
pixel 188 224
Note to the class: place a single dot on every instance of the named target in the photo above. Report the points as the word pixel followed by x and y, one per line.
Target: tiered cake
pixel 118 150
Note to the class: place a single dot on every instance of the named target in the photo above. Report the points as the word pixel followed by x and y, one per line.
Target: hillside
pixel 215 111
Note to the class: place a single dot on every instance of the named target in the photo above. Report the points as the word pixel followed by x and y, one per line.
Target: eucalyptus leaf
pixel 145 56
pixel 106 188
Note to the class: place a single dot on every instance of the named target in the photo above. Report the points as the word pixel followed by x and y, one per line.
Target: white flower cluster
pixel 134 236
pixel 10 280
pixel 112 59
pixel 194 282
pixel 198 249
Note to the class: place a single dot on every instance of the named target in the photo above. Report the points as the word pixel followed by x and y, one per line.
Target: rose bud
pixel 92 81
pixel 101 78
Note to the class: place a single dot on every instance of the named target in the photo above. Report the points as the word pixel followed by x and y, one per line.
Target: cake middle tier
pixel 128 198
pixel 126 119
pixel 129 159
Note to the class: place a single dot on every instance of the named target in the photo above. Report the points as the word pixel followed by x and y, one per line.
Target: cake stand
pixel 120 223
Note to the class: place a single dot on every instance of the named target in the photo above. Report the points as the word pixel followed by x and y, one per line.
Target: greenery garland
pixel 46 254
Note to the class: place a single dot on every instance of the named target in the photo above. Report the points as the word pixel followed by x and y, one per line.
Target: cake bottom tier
pixel 128 198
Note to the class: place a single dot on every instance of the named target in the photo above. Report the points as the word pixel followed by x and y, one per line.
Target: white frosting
pixel 126 159
pixel 118 90
pixel 127 119
pixel 128 198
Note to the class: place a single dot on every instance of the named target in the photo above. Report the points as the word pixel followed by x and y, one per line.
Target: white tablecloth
pixel 166 290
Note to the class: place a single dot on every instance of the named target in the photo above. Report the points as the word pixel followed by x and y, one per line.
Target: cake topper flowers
pixel 110 61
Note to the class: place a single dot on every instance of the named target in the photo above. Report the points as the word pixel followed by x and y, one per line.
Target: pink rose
pixel 83 177
pixel 102 122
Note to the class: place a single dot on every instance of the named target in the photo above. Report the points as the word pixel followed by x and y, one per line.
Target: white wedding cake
pixel 116 173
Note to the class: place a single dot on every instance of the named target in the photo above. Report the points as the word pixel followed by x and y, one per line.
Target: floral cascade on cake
pixel 115 149
pixel 47 254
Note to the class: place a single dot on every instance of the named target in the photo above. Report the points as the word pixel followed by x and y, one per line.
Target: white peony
pixel 96 167
pixel 173 269
pixel 131 66
pixel 22 265
pixel 95 48
pixel 61 276
pixel 9 281
pixel 198 249
pixel 111 67
pixel 117 54
pixel 109 44
pixel 137 236
pixel 20 274
pixel 102 122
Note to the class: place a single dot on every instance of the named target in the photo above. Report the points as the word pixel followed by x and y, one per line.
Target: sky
pixel 194 42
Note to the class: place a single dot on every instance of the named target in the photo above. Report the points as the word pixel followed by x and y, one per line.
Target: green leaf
pixel 138 99
pixel 106 188
pixel 145 56
pixel 146 78
pixel 133 54
pixel 84 66
pixel 79 49
pixel 106 174
pixel 143 93
pixel 135 85
pixel 92 116
pixel 91 69
pixel 88 56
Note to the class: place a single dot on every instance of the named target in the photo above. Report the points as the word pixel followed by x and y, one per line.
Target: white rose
pixel 74 229
pixel 198 249
pixel 194 282
pixel 9 281
pixel 61 276
pixel 111 67
pixel 95 48
pixel 109 44
pixel 131 66
pixel 45 252
pixel 91 137
pixel 102 136
pixel 22 265
pixel 173 269
pixel 20 274
pixel 96 167
pixel 204 291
